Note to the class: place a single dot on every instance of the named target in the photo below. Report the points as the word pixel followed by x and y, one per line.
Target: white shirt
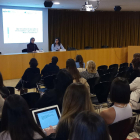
pixel 56 47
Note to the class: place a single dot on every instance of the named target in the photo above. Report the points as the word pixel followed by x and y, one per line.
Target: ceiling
pixel 105 5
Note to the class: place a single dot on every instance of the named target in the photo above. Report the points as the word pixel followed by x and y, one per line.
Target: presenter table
pixel 12 66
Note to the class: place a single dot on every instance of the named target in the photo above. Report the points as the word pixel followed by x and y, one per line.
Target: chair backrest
pixel 122 74
pixel 101 72
pixel 113 66
pixel 113 71
pixel 102 91
pixel 24 50
pixel 92 82
pixel 103 67
pixel 33 79
pixel 106 77
pixel 124 65
pixel 11 90
pixel 49 81
pixel 123 69
pixel 31 99
pixel 120 130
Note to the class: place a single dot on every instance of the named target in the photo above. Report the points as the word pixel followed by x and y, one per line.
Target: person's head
pixel 91 66
pixel 120 91
pixel 62 81
pixel 1 81
pixel 71 67
pixel 57 41
pixel 54 60
pixel 136 55
pixel 136 63
pixel 79 59
pixel 76 100
pixel 17 119
pixel 33 63
pixel 89 126
pixel 32 40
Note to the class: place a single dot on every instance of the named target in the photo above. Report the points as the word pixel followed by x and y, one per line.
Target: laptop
pixel 46 117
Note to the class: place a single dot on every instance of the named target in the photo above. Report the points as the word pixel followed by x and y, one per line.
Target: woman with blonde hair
pixel 76 100
pixel 91 70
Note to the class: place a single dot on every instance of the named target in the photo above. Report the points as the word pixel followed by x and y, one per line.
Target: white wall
pixel 17 48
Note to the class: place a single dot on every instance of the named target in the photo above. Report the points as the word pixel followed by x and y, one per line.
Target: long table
pixel 12 66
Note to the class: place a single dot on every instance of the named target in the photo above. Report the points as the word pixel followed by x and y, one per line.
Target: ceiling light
pixel 56 3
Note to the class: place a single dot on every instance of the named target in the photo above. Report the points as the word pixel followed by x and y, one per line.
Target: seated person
pixel 71 67
pixel 91 71
pixel 28 74
pixel 79 62
pixel 51 69
pixel 32 47
pixel 136 69
pixel 17 121
pixel 76 100
pixel 120 96
pixel 57 45
pixel 90 126
pixel 135 94
pixel 55 96
pixel 130 69
pixel 3 90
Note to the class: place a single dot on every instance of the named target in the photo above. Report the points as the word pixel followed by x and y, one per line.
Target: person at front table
pixel 32 47
pixel 57 45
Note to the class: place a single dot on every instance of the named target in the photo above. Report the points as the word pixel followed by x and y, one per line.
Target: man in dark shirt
pixel 51 69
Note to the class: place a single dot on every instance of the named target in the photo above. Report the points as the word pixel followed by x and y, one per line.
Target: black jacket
pixel 50 69
pixel 31 47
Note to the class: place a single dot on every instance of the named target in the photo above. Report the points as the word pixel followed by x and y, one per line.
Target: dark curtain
pixel 79 29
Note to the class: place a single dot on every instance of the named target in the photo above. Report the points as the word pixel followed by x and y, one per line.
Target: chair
pixel 31 98
pixel 92 82
pixel 106 77
pixel 103 67
pixel 101 72
pixel 124 65
pixel 49 81
pixel 101 91
pixel 24 50
pixel 113 66
pixel 112 71
pixel 120 130
pixel 88 47
pixel 123 69
pixel 121 74
pixel 11 90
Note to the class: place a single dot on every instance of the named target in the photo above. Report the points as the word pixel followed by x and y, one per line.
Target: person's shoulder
pixel 5 136
pixel 107 112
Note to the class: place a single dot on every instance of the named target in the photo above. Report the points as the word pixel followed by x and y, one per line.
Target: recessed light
pixel 56 3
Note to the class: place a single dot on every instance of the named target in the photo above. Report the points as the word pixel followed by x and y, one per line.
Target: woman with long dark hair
pixel 79 62
pixel 89 126
pixel 57 45
pixel 17 122
pixel 71 67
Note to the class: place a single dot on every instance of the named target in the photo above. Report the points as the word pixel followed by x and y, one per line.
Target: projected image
pixel 48 118
pixel 20 25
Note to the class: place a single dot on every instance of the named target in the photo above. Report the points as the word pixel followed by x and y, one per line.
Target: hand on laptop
pixel 49 130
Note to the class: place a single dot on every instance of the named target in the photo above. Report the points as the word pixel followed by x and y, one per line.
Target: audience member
pixel 91 71
pixel 3 90
pixel 79 62
pixel 55 96
pixel 130 69
pixel 17 122
pixel 71 67
pixel 89 126
pixel 76 100
pixel 120 96
pixel 1 105
pixel 135 94
pixel 136 69
pixel 29 72
pixel 51 69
